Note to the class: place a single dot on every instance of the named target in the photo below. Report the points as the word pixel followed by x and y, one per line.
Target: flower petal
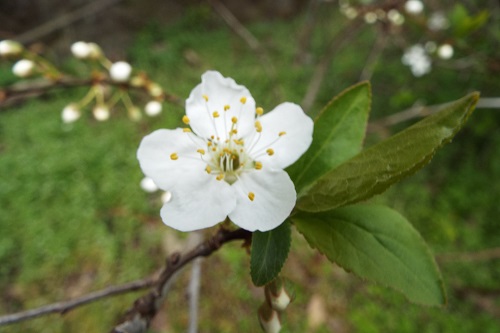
pixel 155 156
pixel 287 130
pixel 201 202
pixel 274 199
pixel 216 93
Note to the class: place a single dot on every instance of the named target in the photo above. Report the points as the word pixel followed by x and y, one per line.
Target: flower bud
pixel 95 51
pixel 101 112
pixel 153 108
pixel 154 90
pixel 278 294
pixel 269 319
pixel 10 48
pixel 70 113
pixel 120 71
pixel 81 50
pixel 134 113
pixel 445 51
pixel 148 185
pixel 23 68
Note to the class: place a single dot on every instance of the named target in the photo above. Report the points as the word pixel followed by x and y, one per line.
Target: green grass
pixel 73 218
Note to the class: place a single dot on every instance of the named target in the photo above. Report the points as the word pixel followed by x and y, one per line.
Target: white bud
pixel 134 113
pixel 95 51
pixel 10 48
pixel 154 90
pixel 166 197
pixel 395 17
pixel 101 113
pixel 269 319
pixel 279 294
pixel 70 114
pixel 445 51
pixel 148 185
pixel 80 50
pixel 153 108
pixel 23 68
pixel 370 17
pixel 120 71
pixel 414 7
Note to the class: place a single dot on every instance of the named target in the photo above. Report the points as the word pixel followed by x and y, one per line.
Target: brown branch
pixel 139 317
pixel 66 306
pixel 250 39
pixel 305 35
pixel 19 92
pixel 484 255
pixel 64 20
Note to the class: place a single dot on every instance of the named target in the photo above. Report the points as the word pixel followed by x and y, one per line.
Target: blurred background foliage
pixel 73 218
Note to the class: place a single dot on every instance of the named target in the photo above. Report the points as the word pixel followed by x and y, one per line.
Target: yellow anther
pixel 270 152
pixel 251 196
pixel 214 149
pixel 212 137
pixel 220 176
pixel 226 150
pixel 185 120
pixel 174 156
pixel 235 131
pixel 259 111
pixel 243 100
pixel 234 120
pixel 226 107
pixel 209 143
pixel 205 97
pixel 258 165
pixel 186 130
pixel 258 126
pixel 208 169
pixel 281 133
pixel 238 142
pixel 215 114
pixel 201 151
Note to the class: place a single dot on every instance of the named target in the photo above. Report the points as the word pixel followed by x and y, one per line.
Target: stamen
pixel 259 111
pixel 220 177
pixel 205 97
pixel 258 165
pixel 258 126
pixel 185 120
pixel 226 107
pixel 215 114
pixel 243 100
pixel 174 156
pixel 281 133
pixel 201 151
pixel 208 169
pixel 270 152
pixel 251 196
pixel 186 130
pixel 234 120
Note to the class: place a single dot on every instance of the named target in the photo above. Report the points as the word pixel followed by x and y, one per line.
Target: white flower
pixel 414 6
pixel 445 51
pixel 417 59
pixel 120 71
pixel 81 50
pixel 10 48
pixel 101 113
pixel 231 164
pixel 153 108
pixel 395 17
pixel 438 21
pixel 70 114
pixel 23 68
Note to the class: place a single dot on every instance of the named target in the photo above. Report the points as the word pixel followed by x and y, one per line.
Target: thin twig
pixel 139 317
pixel 305 35
pixel 194 290
pixel 66 306
pixel 484 255
pixel 64 20
pixel 377 49
pixel 19 92
pixel 251 40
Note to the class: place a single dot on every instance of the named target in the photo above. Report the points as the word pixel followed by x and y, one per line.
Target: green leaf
pixel 377 244
pixel 338 135
pixel 375 169
pixel 269 252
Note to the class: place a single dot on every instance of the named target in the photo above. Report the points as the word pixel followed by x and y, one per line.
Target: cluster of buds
pixel 279 294
pixel 27 63
pixel 119 74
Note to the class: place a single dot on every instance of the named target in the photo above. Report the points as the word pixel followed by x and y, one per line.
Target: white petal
pixel 198 203
pixel 220 92
pixel 274 199
pixel 288 118
pixel 154 155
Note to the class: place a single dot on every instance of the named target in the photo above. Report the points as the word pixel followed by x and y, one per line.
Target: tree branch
pixel 18 92
pixel 63 307
pixel 139 317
